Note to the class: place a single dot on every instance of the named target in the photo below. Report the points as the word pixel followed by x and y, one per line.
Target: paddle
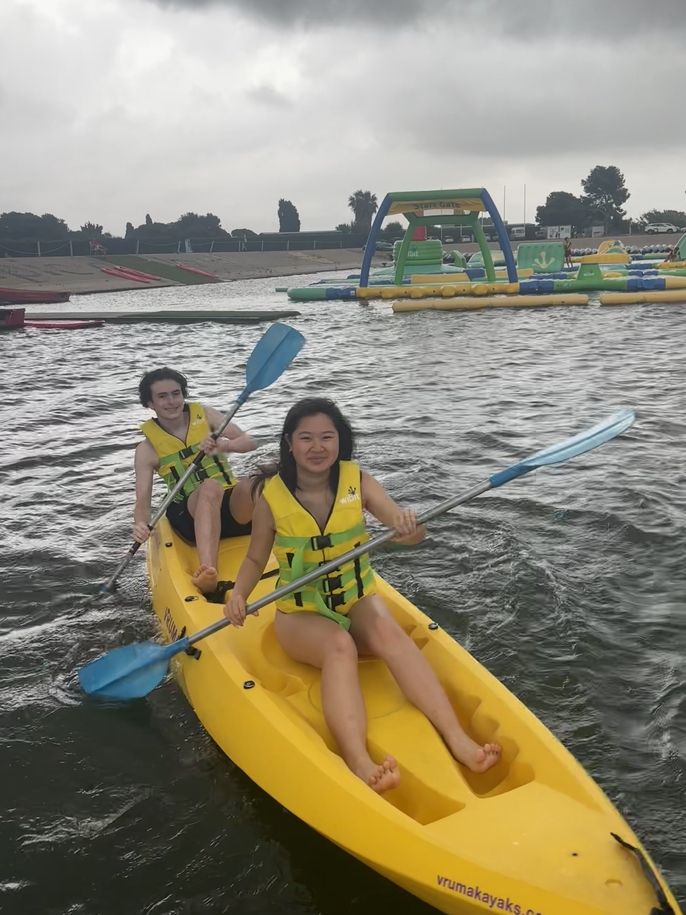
pixel 274 352
pixel 132 671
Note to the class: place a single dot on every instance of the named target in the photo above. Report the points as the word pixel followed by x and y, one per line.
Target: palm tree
pixel 364 205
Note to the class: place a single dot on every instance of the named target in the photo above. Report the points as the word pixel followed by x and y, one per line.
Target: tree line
pixel 605 192
pixel 49 228
pixel 601 203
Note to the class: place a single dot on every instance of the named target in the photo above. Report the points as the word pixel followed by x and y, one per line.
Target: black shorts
pixel 182 520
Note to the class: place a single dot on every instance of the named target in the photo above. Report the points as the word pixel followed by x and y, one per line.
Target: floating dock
pixel 164 317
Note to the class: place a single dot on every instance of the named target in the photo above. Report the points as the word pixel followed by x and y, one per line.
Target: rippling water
pixel 569 585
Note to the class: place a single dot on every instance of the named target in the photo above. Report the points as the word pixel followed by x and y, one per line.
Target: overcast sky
pixel 111 109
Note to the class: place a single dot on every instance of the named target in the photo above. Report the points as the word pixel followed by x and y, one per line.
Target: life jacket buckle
pixel 187 452
pixel 321 542
pixel 332 583
pixel 334 600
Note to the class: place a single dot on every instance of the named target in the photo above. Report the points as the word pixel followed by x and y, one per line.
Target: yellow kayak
pixel 531 836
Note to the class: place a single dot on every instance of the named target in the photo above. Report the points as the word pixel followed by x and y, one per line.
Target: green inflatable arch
pixel 460 207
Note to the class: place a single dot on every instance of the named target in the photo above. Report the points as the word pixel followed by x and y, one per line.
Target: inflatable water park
pixel 539 273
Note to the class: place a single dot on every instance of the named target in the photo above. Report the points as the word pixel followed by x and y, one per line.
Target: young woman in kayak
pixel 310 511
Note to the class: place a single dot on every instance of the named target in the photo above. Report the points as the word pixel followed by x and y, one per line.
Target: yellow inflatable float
pixel 643 298
pixel 471 303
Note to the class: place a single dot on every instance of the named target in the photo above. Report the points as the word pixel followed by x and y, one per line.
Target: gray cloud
pixel 136 107
pixel 527 19
pixel 603 21
pixel 269 96
pixel 388 14
pixel 542 111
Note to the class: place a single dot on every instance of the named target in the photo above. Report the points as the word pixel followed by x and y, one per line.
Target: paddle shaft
pixel 555 454
pixel 132 671
pixel 169 498
pixel 333 564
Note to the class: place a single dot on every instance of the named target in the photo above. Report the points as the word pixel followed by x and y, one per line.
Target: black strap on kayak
pixel 665 907
pixel 218 596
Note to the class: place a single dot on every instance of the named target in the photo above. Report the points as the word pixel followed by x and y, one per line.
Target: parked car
pixel 655 227
pixel 381 246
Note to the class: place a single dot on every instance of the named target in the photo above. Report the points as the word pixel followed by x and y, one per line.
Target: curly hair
pixel 149 379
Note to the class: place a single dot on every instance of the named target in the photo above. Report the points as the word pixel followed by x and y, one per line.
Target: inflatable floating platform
pixel 543 268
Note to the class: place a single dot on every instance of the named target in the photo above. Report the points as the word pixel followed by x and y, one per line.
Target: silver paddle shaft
pixel 333 564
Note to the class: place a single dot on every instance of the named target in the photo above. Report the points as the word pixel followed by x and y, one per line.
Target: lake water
pixel 569 584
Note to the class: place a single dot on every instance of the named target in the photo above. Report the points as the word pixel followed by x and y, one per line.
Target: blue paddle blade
pixel 585 441
pixel 572 447
pixel 273 354
pixel 129 672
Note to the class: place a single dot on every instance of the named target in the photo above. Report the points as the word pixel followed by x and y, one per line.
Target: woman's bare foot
pixel 379 776
pixel 472 755
pixel 205 579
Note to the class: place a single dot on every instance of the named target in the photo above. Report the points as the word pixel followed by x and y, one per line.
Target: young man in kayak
pixel 311 510
pixel 213 503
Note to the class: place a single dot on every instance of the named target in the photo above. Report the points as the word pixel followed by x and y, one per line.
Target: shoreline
pixel 82 275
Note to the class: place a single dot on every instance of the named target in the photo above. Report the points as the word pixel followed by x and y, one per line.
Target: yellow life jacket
pixel 174 460
pixel 300 546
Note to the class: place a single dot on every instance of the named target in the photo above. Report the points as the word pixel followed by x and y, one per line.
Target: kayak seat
pixel 433 785
pixel 268 664
pixel 414 742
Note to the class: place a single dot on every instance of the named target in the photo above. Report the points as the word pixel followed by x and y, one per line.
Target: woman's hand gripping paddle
pixel 275 351
pixel 132 671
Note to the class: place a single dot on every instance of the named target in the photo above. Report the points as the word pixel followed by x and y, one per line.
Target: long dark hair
pixel 286 467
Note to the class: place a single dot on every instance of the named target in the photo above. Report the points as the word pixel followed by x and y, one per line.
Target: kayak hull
pixel 31 296
pixel 532 835
pixel 11 318
pixel 38 324
pixel 15 319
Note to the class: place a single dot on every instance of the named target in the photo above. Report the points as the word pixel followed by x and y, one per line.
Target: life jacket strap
pixel 320 541
pixel 323 608
pixel 190 451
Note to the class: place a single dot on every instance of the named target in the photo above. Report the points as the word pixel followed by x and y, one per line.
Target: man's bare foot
pixel 380 776
pixel 472 755
pixel 205 579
